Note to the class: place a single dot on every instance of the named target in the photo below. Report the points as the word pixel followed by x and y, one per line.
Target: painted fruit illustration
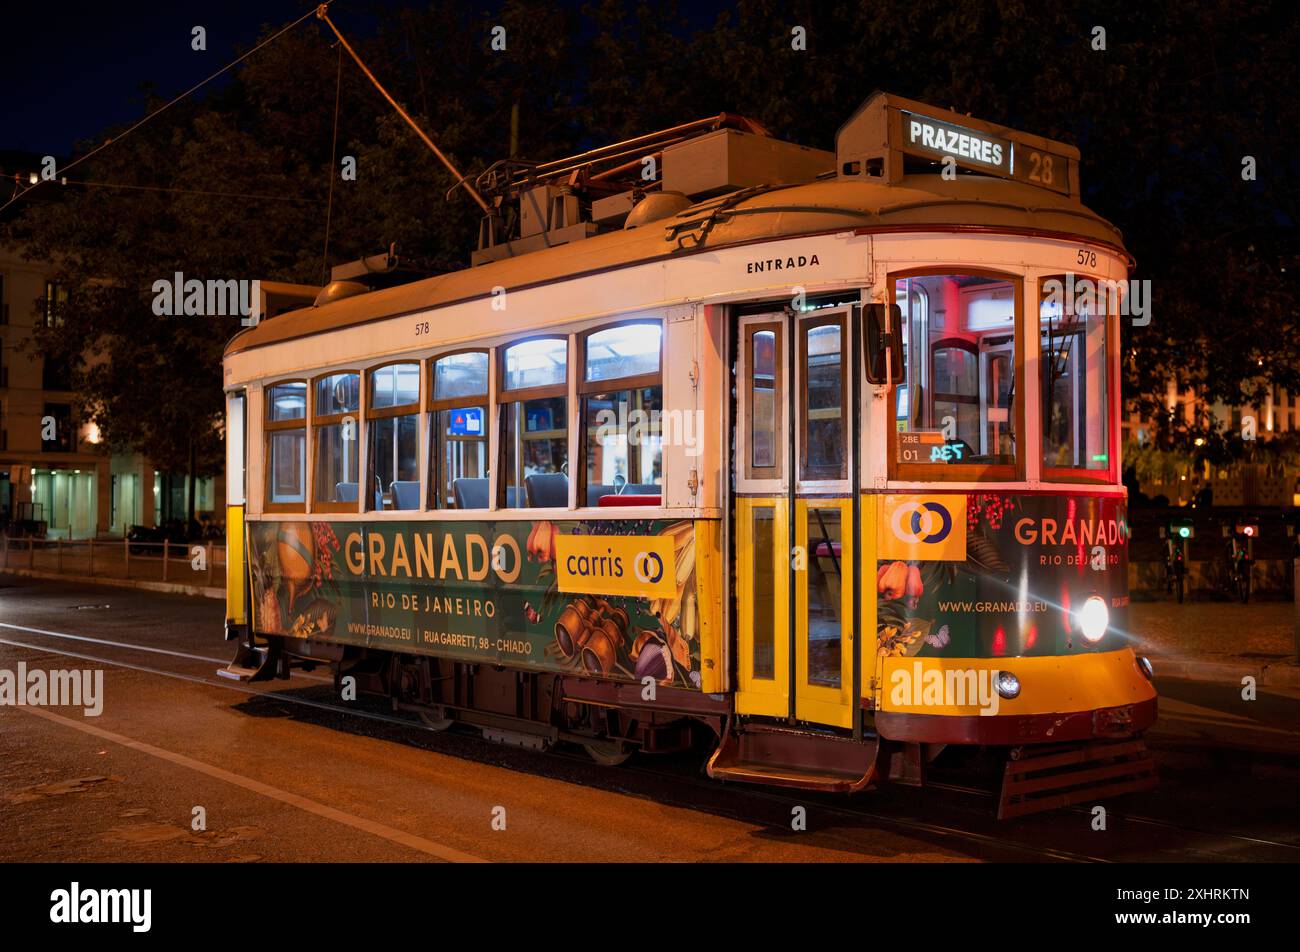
pixel 296 553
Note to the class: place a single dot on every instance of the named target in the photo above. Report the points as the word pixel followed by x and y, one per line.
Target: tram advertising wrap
pixel 1017 576
pixel 610 599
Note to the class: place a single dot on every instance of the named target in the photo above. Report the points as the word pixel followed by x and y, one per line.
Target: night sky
pixel 70 70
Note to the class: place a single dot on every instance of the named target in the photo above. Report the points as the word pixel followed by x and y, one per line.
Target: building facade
pixel 55 474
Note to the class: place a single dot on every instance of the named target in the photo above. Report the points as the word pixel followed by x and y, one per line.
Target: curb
pixel 1279 674
pixel 171 588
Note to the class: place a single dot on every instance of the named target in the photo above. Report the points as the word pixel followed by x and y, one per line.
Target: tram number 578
pixel 421 328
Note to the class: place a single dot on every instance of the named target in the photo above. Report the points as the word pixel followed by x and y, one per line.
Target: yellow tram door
pixel 793 518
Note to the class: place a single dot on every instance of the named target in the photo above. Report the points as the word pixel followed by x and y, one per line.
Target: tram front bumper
pixel 1063 698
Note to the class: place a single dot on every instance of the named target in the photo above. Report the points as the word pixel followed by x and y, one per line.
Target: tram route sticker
pixel 488 591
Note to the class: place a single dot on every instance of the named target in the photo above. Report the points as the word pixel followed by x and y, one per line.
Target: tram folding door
pixel 793 517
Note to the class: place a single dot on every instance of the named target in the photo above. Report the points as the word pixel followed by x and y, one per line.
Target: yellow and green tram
pixel 818 450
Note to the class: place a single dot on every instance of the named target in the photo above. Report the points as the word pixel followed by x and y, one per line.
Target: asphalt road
pixel 285 771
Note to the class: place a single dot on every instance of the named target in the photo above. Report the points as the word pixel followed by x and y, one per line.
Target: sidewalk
pixel 1218 641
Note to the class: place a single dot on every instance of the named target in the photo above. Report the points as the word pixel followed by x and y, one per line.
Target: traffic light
pixel 1248 529
pixel 1182 527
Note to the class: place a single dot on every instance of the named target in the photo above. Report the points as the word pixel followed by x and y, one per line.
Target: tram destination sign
pixel 984 151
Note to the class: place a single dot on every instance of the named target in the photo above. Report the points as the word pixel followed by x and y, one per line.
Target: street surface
pixel 286 771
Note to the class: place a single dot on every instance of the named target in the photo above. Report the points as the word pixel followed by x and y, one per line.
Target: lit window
pixel 535 424
pixel 286 444
pixel 622 412
pixel 1075 367
pixel 393 423
pixel 459 462
pixel 956 403
pixel 335 403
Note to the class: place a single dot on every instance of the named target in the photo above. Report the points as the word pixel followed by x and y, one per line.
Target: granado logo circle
pixel 921 527
pixel 648 567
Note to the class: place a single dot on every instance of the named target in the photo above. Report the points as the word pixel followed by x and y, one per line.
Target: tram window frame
pixel 366 492
pixel 269 429
pixel 1074 474
pixel 966 472
pixel 436 406
pixel 318 423
pixel 804 325
pixel 505 397
pixel 589 388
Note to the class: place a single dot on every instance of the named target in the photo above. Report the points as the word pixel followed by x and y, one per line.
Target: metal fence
pixel 199 563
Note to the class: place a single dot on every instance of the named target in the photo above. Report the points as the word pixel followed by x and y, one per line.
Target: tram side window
pixel 286 443
pixel 335 403
pixel 622 413
pixel 393 422
pixel 459 467
pixel 535 423
pixel 1075 365
pixel 956 403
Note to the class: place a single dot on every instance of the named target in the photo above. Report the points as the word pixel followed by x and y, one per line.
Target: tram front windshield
pixel 959 342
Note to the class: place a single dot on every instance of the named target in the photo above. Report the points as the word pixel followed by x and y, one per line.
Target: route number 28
pixel 1041 168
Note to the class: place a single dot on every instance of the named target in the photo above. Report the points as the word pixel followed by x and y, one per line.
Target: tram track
pixel 688 784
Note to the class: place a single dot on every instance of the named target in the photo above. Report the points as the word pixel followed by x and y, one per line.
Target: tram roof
pixel 918 202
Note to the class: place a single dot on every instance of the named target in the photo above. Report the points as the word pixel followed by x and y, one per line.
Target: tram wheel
pixel 435 723
pixel 607 753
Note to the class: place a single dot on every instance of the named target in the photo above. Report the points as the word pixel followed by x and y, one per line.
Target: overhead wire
pixel 197 86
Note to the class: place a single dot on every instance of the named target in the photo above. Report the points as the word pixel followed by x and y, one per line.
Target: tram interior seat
pixel 471 492
pixel 405 494
pixel 347 492
pixel 547 490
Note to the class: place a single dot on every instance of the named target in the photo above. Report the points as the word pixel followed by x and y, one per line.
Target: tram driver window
pixel 460 441
pixel 286 444
pixel 1074 365
pixel 956 404
pixel 393 421
pixel 335 404
pixel 535 423
pixel 622 413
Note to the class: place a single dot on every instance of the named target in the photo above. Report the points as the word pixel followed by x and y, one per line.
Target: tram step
pixel 785 757
pixel 1059 775
pixel 251 664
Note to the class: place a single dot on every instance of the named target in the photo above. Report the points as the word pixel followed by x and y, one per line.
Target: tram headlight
pixel 1144 665
pixel 1093 618
pixel 1007 685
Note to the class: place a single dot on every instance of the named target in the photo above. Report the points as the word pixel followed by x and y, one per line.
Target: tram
pixel 814 452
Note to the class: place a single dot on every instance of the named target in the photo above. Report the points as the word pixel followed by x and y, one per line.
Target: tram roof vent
pixel 888 134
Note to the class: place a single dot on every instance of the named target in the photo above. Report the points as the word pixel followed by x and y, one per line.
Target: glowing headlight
pixel 1093 618
pixel 1007 684
pixel 1144 665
